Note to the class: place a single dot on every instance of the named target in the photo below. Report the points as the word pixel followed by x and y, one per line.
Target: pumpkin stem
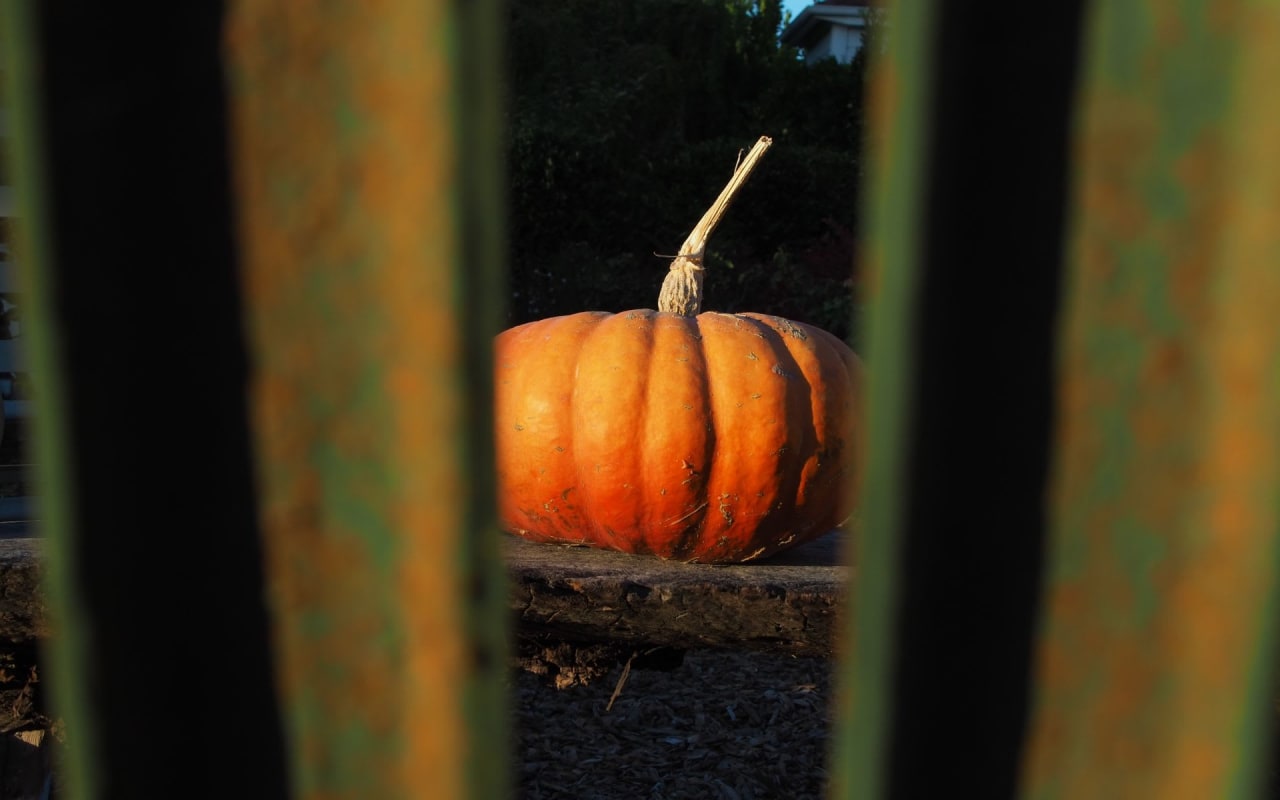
pixel 682 289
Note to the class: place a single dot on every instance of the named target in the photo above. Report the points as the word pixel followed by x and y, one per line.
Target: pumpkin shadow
pixel 802 440
pixel 828 550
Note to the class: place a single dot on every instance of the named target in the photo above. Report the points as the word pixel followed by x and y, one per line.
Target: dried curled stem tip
pixel 682 289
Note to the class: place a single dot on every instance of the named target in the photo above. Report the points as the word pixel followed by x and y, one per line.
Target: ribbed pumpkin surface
pixel 715 438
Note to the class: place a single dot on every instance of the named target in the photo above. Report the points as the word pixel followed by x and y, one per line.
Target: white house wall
pixel 841 43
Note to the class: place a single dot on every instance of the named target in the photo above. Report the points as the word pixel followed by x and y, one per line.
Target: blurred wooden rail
pixel 584 598
pixel 787 604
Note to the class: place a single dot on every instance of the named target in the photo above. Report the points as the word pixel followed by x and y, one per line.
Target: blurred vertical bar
pixel 159 660
pixel 32 249
pixel 899 97
pixel 967 255
pixel 1157 657
pixel 368 168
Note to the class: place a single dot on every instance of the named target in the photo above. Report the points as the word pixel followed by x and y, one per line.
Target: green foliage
pixel 626 118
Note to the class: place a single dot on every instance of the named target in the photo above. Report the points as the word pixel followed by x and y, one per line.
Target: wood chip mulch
pixel 726 726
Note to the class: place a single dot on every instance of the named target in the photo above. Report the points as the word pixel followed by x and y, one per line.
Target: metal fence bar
pixel 895 198
pixel 1157 655
pixel 65 656
pixel 366 181
pixel 967 259
pixel 158 658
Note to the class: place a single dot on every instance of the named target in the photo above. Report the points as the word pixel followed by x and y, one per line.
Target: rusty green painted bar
pixel 894 200
pixel 64 654
pixel 368 186
pixel 1159 630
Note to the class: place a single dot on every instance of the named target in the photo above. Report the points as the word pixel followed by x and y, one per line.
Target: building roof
pixel 814 20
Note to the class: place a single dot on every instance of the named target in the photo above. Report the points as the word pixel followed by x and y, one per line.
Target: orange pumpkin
pixel 693 436
pixel 717 438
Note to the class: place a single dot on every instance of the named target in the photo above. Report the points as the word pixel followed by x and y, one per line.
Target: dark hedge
pixel 625 118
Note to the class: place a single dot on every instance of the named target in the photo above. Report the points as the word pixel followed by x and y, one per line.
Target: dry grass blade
pixel 622 679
